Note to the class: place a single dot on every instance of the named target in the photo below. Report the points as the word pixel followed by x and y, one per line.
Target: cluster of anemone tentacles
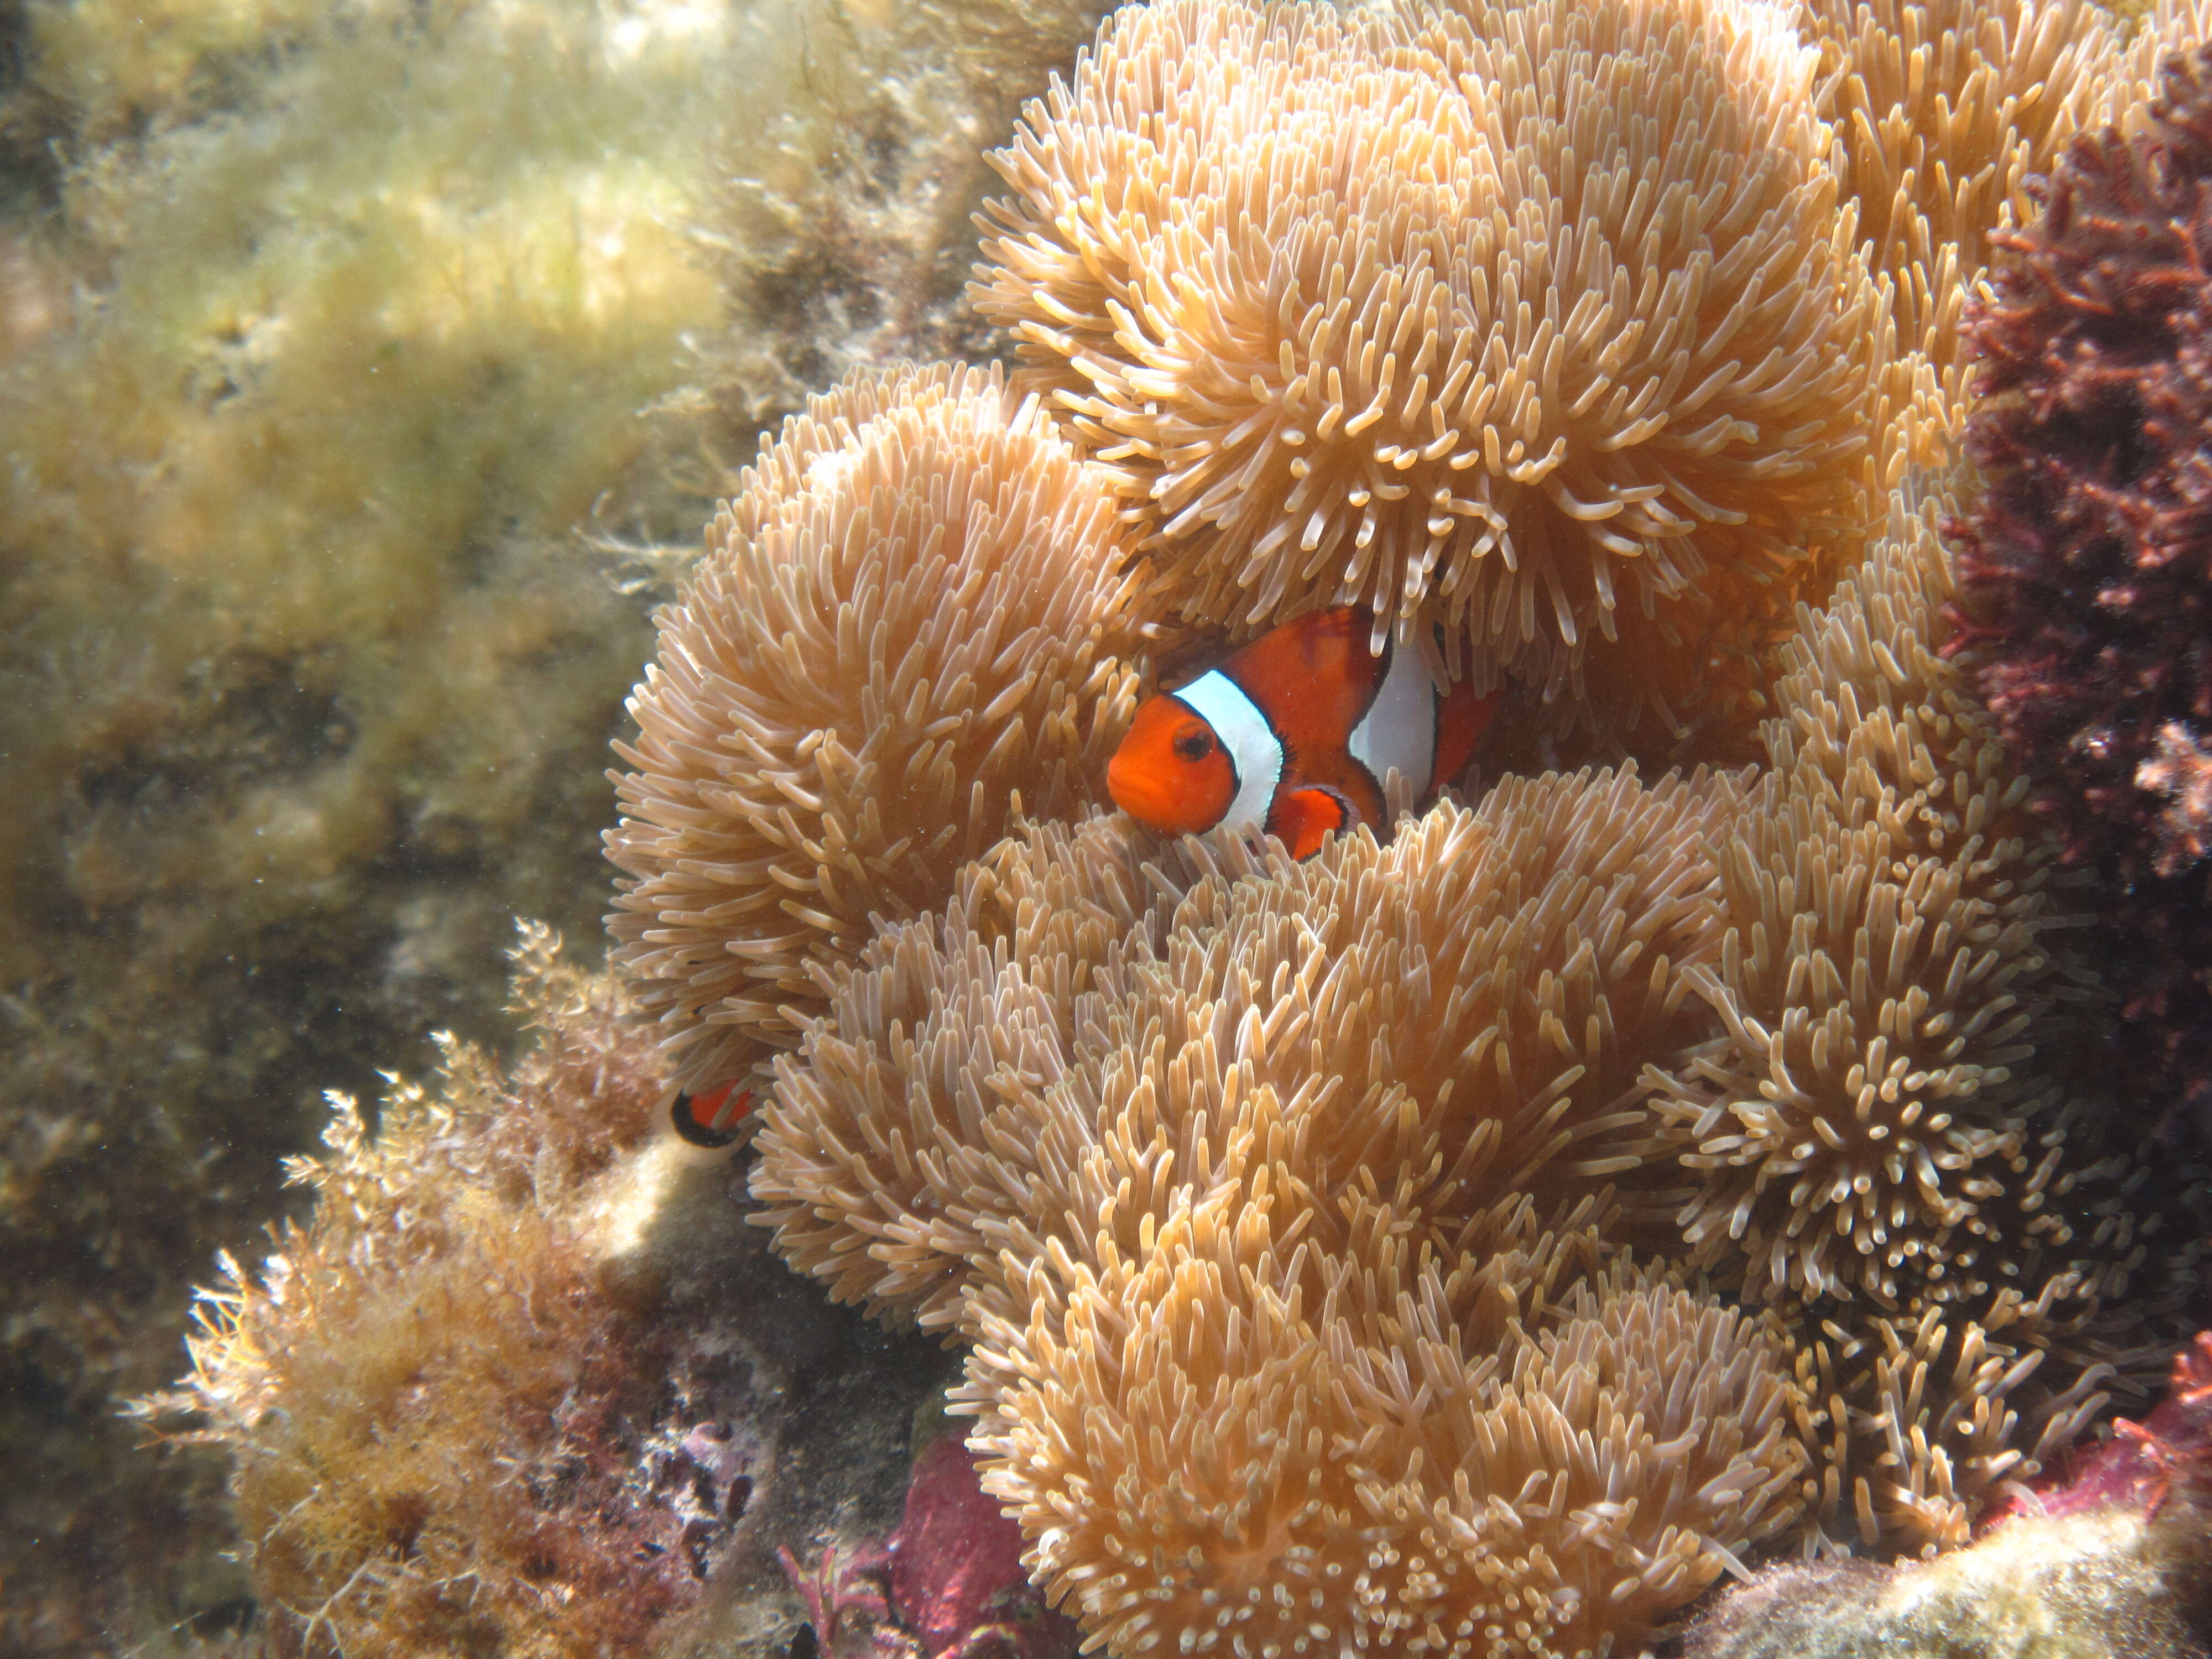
pixel 1476 1239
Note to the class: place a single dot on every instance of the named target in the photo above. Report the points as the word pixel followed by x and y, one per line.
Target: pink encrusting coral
pixel 2087 568
pixel 947 1583
pixel 2168 1456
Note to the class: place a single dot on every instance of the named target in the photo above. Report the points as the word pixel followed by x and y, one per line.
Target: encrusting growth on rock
pixel 2180 769
pixel 433 1407
pixel 524 1383
pixel 908 627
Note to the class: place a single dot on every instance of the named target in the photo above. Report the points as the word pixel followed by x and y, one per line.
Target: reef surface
pixel 366 373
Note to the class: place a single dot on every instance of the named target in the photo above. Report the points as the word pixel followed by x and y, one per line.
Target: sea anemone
pixel 1943 111
pixel 881 1156
pixel 1471 1000
pixel 2087 566
pixel 1198 1147
pixel 1110 1056
pixel 1233 1441
pixel 908 629
pixel 1195 1146
pixel 1898 1144
pixel 1884 978
pixel 1538 322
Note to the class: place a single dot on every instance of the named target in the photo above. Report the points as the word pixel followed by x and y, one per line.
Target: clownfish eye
pixel 1193 746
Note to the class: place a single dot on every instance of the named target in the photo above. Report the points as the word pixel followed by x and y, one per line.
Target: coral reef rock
pixel 349 310
pixel 356 359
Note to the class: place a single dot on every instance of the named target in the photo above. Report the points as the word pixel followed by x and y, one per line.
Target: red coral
pixel 2086 569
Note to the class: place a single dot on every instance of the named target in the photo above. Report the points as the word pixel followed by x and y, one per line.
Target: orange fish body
pixel 1294 734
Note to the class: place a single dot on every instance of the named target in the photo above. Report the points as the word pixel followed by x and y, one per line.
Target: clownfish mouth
pixel 1142 793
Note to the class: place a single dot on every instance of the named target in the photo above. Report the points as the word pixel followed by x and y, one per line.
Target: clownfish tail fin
pixel 1304 817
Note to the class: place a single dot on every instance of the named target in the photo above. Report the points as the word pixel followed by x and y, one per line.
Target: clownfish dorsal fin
pixel 1303 817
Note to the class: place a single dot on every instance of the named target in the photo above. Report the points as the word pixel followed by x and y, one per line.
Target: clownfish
pixel 1294 734
pixel 709 1119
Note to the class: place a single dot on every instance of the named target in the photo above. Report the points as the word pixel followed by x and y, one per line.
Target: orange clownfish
pixel 1294 734
pixel 709 1119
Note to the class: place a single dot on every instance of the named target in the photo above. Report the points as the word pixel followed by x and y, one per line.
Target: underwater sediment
pixel 1711 1139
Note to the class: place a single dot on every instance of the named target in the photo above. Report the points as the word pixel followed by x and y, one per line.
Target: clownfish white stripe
pixel 1400 726
pixel 1254 750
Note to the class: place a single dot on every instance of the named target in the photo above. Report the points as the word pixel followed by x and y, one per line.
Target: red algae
pixel 2085 571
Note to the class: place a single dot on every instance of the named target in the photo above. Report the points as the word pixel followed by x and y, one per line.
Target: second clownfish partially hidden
pixel 1294 734
pixel 709 1119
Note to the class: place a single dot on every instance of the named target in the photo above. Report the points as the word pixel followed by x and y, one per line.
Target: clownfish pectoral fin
pixel 1302 817
pixel 709 1119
